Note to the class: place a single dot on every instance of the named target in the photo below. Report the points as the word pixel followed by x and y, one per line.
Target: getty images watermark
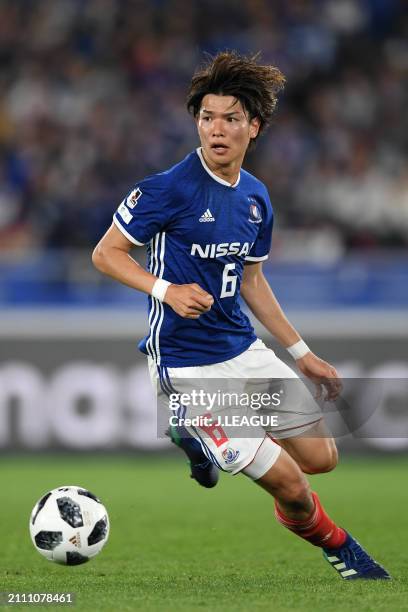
pixel 220 401
pixel 366 408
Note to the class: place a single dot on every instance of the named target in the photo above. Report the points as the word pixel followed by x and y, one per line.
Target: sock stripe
pixel 318 528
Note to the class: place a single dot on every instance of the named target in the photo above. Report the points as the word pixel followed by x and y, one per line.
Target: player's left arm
pixel 261 300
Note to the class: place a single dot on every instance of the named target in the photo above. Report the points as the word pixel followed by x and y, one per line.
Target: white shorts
pixel 253 450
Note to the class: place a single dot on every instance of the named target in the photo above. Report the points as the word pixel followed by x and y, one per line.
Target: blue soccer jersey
pixel 198 229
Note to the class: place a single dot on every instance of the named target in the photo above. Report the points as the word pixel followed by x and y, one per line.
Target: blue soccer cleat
pixel 351 561
pixel 202 469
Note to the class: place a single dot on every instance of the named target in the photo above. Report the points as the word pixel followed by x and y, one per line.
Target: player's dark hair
pixel 230 74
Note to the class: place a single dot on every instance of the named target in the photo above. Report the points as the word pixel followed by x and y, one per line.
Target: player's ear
pixel 254 126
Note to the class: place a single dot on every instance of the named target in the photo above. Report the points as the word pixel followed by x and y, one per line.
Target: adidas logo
pixel 206 217
pixel 341 567
pixel 76 540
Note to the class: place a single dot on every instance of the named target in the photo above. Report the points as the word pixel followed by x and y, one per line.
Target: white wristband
pixel 298 350
pixel 159 289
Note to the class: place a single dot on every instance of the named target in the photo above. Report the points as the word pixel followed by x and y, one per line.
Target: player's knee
pixel 321 462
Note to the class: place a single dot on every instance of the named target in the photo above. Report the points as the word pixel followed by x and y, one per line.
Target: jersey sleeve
pixel 262 245
pixel 145 211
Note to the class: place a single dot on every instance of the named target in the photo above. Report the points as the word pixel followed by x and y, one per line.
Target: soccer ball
pixel 69 525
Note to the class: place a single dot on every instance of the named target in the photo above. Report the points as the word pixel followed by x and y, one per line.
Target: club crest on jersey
pixel 254 213
pixel 133 197
pixel 230 455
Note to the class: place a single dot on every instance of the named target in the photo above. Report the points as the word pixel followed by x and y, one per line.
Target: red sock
pixel 318 528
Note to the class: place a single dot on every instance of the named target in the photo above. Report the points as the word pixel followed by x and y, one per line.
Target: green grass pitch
pixel 177 547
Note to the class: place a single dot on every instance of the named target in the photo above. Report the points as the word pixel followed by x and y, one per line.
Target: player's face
pixel 225 131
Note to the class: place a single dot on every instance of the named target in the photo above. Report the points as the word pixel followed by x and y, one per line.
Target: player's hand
pixel 188 301
pixel 323 374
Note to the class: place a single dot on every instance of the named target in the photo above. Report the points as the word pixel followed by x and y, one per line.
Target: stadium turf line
pixel 177 547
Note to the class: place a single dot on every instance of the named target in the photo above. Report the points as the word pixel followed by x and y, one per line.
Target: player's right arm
pixel 112 257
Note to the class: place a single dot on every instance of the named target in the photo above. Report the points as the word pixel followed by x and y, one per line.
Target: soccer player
pixel 207 224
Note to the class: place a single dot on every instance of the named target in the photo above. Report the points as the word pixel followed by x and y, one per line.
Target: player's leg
pixel 301 430
pixel 295 503
pixel 299 509
pixel 202 469
pixel 314 450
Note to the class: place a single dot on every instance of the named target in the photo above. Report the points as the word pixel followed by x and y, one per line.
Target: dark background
pixel 92 98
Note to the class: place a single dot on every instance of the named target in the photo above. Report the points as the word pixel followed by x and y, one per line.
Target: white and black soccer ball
pixel 69 525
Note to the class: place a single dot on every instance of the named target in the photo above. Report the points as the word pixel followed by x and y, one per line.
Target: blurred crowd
pixel 92 98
